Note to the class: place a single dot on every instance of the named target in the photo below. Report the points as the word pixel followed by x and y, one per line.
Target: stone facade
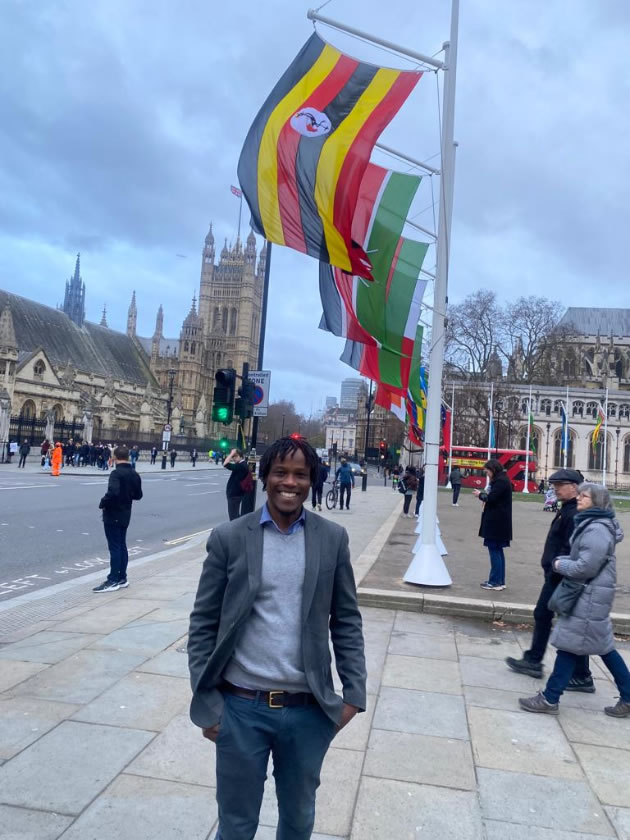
pixel 53 362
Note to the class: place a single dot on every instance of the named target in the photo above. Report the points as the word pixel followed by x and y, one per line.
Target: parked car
pixel 357 469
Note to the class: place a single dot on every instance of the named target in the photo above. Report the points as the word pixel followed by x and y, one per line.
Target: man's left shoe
pixel 620 710
pixel 123 584
pixel 586 686
pixel 538 704
pixel 319 507
pixel 499 587
pixel 106 586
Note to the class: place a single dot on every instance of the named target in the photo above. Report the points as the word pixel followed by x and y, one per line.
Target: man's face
pixel 288 484
pixel 565 490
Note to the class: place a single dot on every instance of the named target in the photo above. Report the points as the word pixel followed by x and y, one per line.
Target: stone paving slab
pixel 24 824
pixel 49 646
pixel 134 808
pixel 68 767
pixel 24 720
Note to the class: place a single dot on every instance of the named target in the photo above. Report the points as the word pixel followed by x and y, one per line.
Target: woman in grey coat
pixel 588 630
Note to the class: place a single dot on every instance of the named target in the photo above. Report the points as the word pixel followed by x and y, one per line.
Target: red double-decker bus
pixel 470 460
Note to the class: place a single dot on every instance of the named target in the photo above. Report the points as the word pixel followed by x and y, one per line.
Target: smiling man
pixel 276 587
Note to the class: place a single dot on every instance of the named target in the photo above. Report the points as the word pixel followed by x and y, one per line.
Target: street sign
pixel 168 428
pixel 262 381
pixel 166 435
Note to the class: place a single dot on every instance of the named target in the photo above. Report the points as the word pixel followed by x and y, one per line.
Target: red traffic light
pixel 296 436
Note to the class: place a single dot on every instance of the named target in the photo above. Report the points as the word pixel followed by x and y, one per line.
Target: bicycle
pixel 332 496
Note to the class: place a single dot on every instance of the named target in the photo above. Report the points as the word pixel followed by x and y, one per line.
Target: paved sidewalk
pixel 182 464
pixel 95 740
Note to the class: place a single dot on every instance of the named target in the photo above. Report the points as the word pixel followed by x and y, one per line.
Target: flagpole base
pixel 427 568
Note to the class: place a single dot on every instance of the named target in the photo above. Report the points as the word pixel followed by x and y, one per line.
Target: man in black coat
pixel 124 487
pixel 565 483
pixel 496 521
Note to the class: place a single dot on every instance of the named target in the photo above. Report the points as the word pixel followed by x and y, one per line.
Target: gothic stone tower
pixel 191 358
pixel 230 301
pixel 74 299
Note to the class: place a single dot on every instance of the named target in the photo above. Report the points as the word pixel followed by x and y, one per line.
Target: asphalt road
pixel 51 528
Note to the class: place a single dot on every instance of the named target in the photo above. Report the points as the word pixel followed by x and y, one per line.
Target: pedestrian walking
pixel 154 452
pixel 455 478
pixel 276 587
pixel 584 628
pixel 239 483
pixel 318 484
pixel 173 458
pixel 408 485
pixel 345 477
pixel 193 456
pixel 420 490
pixel 56 460
pixel 123 488
pixel 558 543
pixel 541 487
pixel 496 521
pixel 24 450
pixel 44 450
pixel 134 454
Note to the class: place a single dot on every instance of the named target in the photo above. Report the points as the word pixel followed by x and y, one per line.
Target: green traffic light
pixel 223 413
pixel 223 443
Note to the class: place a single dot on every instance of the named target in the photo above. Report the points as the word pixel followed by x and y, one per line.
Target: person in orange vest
pixel 57 459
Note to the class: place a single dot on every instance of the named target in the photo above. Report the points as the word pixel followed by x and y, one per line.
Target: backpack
pixel 247 483
pixel 401 487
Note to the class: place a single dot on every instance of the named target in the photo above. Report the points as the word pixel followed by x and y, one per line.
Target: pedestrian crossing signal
pixel 224 443
pixel 223 396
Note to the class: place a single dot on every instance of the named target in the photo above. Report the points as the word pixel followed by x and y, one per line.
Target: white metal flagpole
pixel 450 444
pixel 427 566
pixel 529 414
pixel 565 434
pixel 490 410
pixel 605 452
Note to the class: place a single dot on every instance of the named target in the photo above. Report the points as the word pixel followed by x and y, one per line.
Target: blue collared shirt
pixel 265 517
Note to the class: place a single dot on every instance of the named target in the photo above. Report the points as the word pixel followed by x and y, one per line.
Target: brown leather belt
pixel 273 699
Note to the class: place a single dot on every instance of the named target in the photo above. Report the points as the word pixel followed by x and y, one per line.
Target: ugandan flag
pixel 307 150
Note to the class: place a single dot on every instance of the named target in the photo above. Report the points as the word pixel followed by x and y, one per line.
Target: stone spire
pixel 159 323
pixel 132 316
pixel 8 341
pixel 74 300
pixel 250 248
pixel 104 317
pixel 262 261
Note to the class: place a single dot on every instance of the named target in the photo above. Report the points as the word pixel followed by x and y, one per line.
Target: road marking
pixel 27 486
pixel 205 493
pixel 90 483
pixel 187 537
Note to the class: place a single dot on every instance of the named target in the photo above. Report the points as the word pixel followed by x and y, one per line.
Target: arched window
pixel 612 409
pixel 185 347
pixel 558 454
pixel 192 347
pixel 596 453
pixel 557 406
pixel 225 319
pixel 58 410
pixel 216 317
pixel 591 409
pixel 534 440
pixel 38 368
pixel 545 407
pixel 626 455
pixel 624 411
pixel 578 408
pixel 233 317
pixel 28 410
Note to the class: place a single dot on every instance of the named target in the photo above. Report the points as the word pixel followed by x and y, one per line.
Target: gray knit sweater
pixel 268 653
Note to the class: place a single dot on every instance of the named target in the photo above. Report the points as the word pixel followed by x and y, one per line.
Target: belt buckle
pixel 271 703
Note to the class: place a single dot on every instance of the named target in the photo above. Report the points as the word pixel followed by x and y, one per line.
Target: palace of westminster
pixel 54 362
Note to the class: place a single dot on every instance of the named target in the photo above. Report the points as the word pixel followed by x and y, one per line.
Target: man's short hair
pixel 495 467
pixel 287 447
pixel 121 453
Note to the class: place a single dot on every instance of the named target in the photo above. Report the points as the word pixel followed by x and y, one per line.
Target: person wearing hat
pixel 565 482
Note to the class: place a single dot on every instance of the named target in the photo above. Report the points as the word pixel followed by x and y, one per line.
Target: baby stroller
pixel 551 501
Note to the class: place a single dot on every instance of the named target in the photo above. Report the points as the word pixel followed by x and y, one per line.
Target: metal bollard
pixel 364 483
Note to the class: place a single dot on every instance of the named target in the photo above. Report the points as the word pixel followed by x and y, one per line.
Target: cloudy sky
pixel 122 121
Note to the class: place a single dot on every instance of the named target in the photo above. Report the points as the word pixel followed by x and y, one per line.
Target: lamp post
pixel 547 451
pixel 617 432
pixel 169 407
pixel 499 404
pixel 368 406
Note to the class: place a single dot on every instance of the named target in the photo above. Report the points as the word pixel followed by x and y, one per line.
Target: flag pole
pixel 450 442
pixel 529 414
pixel 565 432
pixel 240 210
pixel 427 567
pixel 490 409
pixel 605 452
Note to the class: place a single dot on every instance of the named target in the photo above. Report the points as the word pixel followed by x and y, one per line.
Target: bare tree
pixel 532 329
pixel 475 331
pixel 284 419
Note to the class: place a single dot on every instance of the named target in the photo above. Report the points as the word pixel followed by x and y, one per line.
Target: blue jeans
pixel 116 536
pixel 564 668
pixel 497 563
pixel 297 738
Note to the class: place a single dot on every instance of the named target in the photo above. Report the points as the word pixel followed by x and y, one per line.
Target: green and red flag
pixel 532 432
pixel 308 148
pixel 601 417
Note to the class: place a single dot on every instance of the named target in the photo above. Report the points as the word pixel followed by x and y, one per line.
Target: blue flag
pixel 565 429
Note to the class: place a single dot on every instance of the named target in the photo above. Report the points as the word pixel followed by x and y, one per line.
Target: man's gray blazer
pixel 227 590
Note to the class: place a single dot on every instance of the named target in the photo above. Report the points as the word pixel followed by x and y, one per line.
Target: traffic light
pixel 244 403
pixel 296 436
pixel 224 444
pixel 383 449
pixel 223 397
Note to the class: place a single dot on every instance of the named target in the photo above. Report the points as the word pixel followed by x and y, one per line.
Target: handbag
pixel 566 595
